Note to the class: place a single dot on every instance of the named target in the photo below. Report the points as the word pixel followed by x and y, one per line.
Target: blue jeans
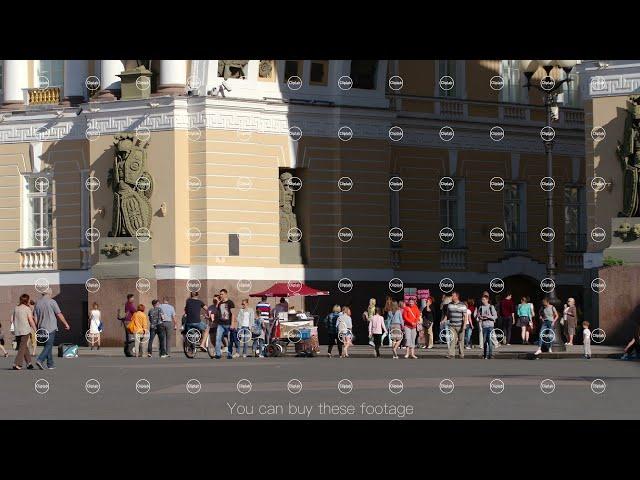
pixel 467 336
pixel 258 345
pixel 488 344
pixel 223 331
pixel 545 324
pixel 47 352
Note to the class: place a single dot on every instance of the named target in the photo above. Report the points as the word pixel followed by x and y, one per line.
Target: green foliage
pixel 612 261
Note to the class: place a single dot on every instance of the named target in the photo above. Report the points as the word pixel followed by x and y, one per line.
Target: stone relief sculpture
pixel 232 68
pixel 132 186
pixel 287 202
pixel 629 153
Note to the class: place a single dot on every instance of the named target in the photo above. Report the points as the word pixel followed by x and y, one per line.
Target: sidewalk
pixel 525 352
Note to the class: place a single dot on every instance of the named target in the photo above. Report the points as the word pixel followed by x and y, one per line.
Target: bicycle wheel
pixel 189 349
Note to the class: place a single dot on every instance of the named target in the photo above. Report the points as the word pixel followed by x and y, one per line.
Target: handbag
pixel 100 326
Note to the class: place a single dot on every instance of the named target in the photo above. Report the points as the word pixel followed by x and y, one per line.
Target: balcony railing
pixel 575 242
pixel 451 108
pixel 459 240
pixel 515 241
pixel 42 96
pixel 574 260
pixel 453 259
pixel 36 258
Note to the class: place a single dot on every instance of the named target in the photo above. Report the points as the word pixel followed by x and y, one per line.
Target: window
pixel 515 235
pixel 363 73
pixel 571 91
pixel 318 75
pixel 452 214
pixel 234 244
pixel 37 211
pixel 52 71
pixel 292 68
pixel 447 68
pixel 574 237
pixel 233 68
pixel 513 90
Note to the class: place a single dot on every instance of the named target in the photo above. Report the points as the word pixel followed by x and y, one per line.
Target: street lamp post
pixel 549 88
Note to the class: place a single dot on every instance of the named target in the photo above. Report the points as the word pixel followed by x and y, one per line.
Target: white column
pixel 109 80
pixel 75 75
pixel 173 77
pixel 15 77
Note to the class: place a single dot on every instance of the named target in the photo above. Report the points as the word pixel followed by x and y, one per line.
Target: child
pixel 586 339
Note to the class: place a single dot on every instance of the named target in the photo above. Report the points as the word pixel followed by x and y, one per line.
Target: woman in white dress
pixel 95 326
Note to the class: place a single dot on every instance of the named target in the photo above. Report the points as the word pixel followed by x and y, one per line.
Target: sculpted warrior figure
pixel 287 202
pixel 629 153
pixel 132 186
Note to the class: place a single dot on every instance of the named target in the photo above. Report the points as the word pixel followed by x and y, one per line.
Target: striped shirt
pixel 455 313
pixel 264 309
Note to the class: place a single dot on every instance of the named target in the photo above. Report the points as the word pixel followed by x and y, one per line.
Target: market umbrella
pixel 289 290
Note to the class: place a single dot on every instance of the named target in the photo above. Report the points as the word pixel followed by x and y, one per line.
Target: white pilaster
pixel 109 80
pixel 173 77
pixel 75 75
pixel 15 77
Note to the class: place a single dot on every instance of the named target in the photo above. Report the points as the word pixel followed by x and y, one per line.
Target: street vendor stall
pixel 289 327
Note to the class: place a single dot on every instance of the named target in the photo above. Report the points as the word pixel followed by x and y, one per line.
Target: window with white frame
pixel 53 71
pixel 515 231
pixel 37 211
pixel 452 205
pixel 513 90
pixel 571 91
pixel 447 68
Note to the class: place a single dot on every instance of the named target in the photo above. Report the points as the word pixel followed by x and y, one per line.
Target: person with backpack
pixel 95 326
pixel 156 327
pixel 331 322
pixel 486 317
pixel 548 317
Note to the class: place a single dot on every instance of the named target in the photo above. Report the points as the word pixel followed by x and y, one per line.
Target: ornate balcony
pixel 453 259
pixel 41 96
pixel 36 258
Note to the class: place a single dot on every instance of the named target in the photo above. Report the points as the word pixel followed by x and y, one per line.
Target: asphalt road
pixel 370 396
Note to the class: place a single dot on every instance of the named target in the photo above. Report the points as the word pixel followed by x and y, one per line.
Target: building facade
pixel 372 146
